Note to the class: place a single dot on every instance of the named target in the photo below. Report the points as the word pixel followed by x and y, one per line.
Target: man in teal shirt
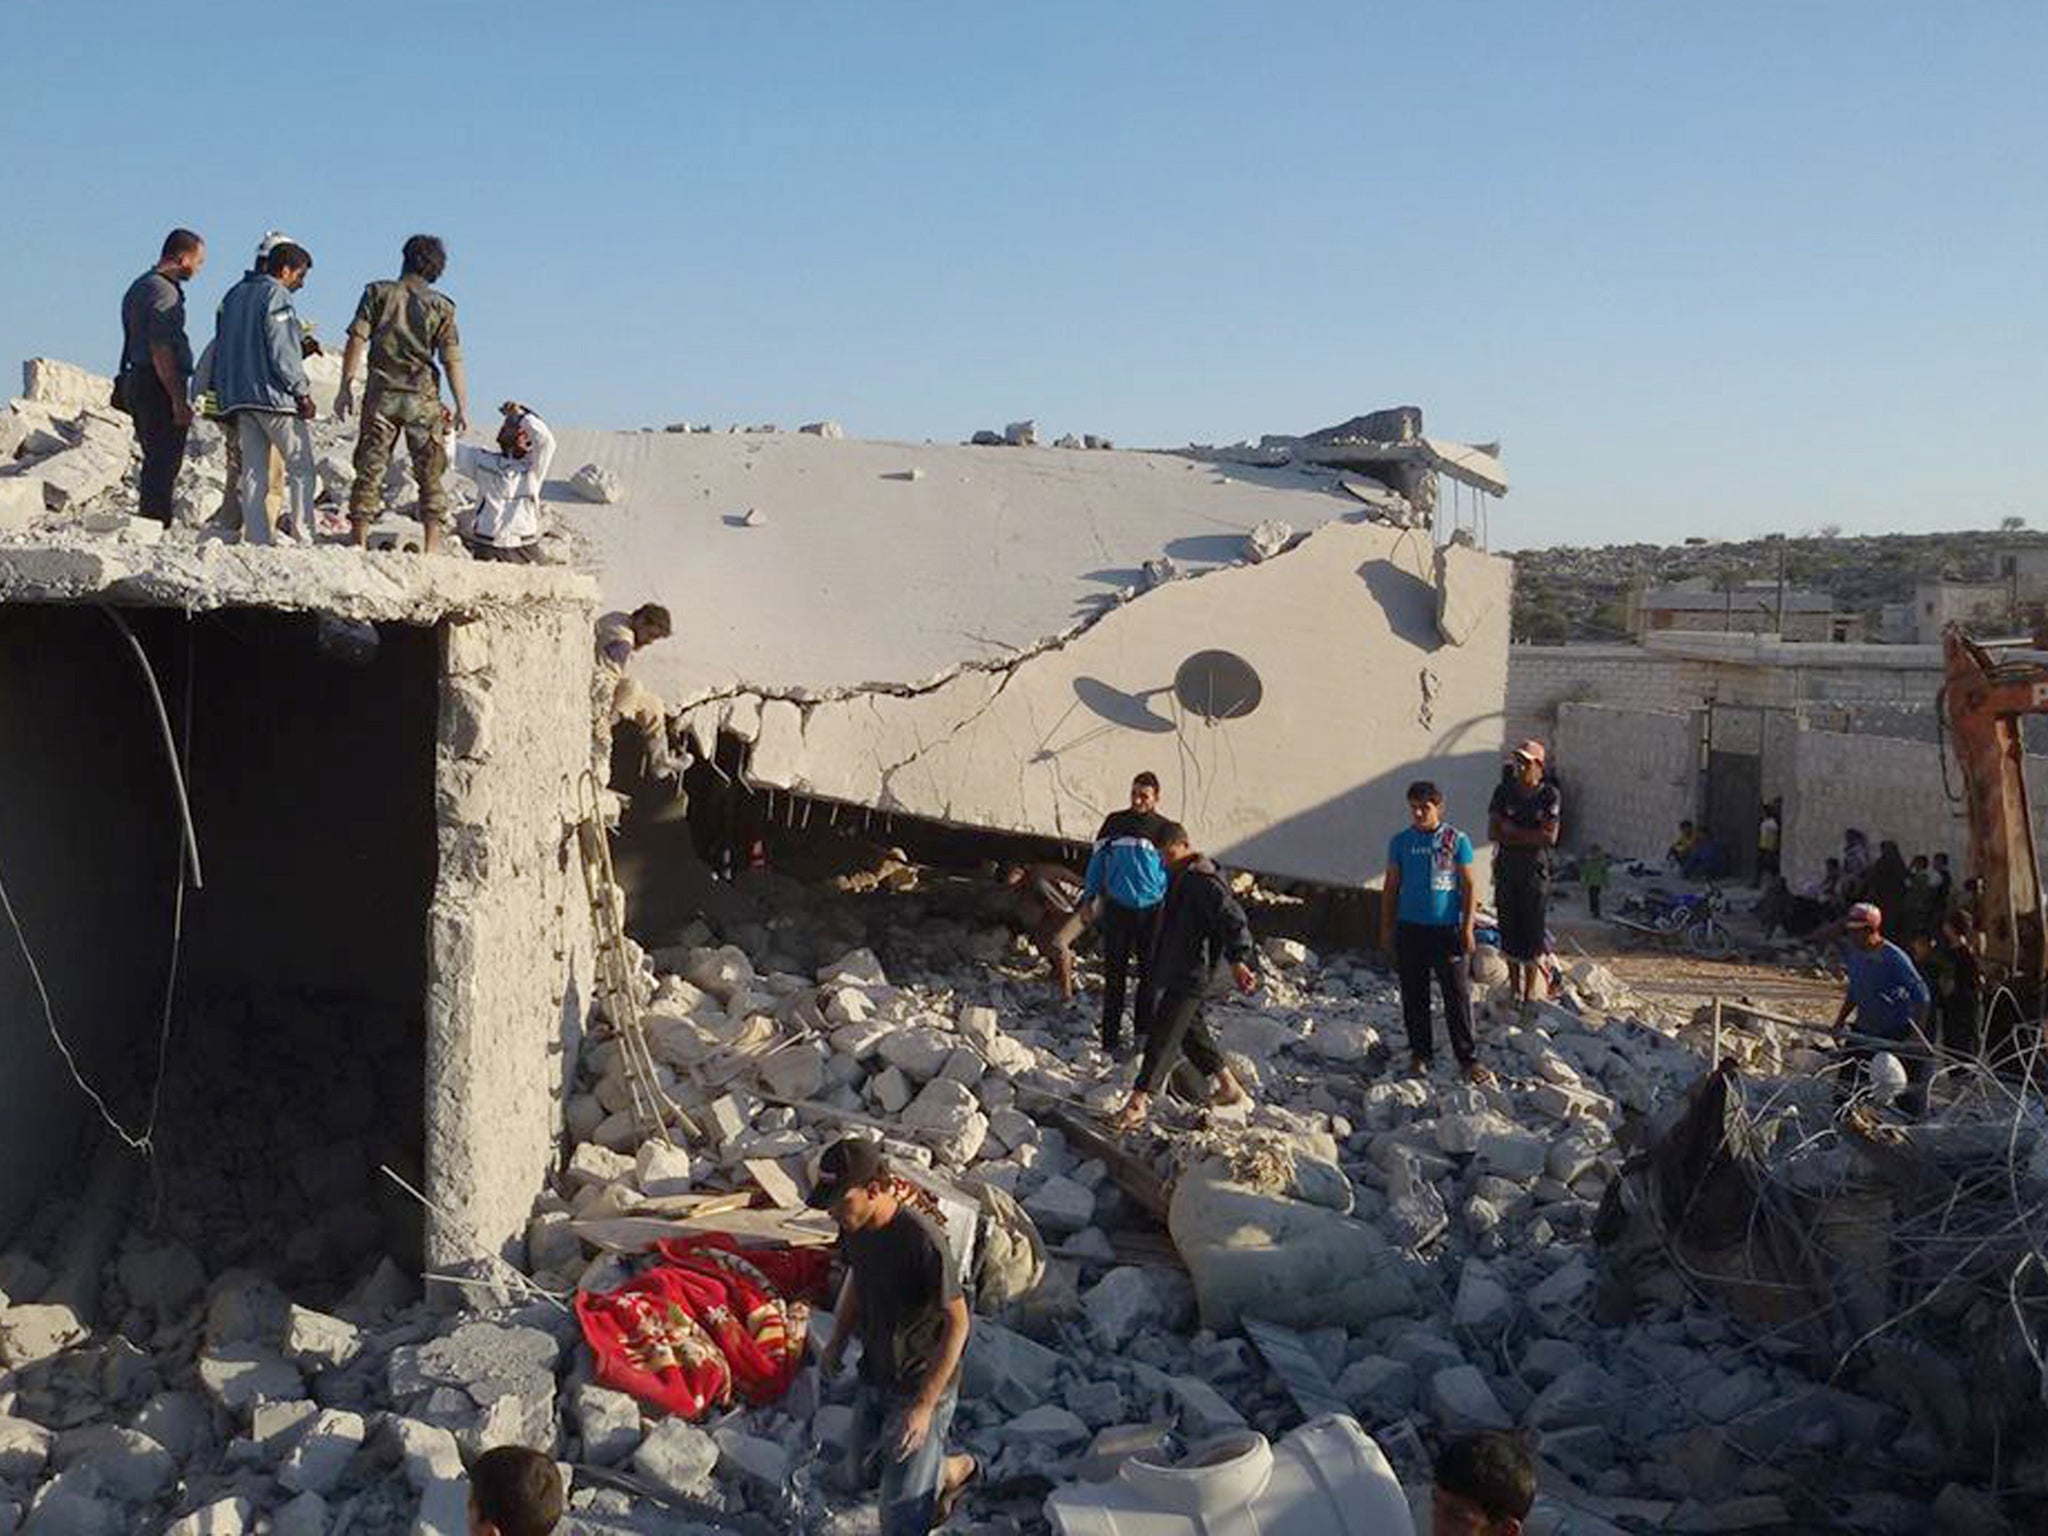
pixel 1426 915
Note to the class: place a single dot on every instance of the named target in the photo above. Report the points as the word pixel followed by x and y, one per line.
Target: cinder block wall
pixel 1629 776
pixel 510 929
pixel 1887 787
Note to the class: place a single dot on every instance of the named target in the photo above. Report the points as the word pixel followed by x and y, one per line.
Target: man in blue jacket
pixel 1126 880
pixel 259 377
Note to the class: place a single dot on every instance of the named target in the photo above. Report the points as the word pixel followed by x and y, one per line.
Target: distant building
pixel 2013 600
pixel 1752 608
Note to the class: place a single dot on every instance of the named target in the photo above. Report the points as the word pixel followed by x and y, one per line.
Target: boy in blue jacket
pixel 1126 880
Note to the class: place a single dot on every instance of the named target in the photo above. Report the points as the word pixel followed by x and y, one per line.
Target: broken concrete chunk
pixel 1483 1303
pixel 1461 1400
pixel 21 502
pixel 1119 1307
pixel 1203 1411
pixel 37 1331
pixel 231 1516
pixel 128 1464
pixel 609 1423
pixel 593 1166
pixel 66 385
pixel 677 1456
pixel 1021 434
pixel 24 1447
pixel 661 1169
pixel 323 1453
pixel 428 1451
pixel 316 1341
pixel 1261 1255
pixel 275 1427
pixel 1061 1205
pixel 304 1516
pixel 947 1118
pixel 826 429
pixel 919 1052
pixel 593 482
pixel 1266 540
pixel 761 1460
pixel 239 1376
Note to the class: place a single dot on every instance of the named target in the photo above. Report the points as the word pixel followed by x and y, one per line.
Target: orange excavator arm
pixel 1984 700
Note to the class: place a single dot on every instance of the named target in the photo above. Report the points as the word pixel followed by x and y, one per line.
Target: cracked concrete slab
pixel 1362 694
pixel 861 576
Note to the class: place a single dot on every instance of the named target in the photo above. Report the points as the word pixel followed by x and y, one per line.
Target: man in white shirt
pixel 508 482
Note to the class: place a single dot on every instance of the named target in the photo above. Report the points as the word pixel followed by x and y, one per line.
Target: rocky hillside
pixel 1577 593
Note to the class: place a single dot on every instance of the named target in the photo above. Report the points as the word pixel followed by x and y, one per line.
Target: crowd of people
pixel 403 342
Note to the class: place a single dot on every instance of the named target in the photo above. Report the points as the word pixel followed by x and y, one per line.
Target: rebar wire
pixel 143 1142
pixel 163 720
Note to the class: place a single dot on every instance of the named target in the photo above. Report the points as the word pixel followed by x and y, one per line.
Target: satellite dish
pixel 1218 685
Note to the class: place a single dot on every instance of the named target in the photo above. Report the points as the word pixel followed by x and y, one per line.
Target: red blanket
pixel 711 1322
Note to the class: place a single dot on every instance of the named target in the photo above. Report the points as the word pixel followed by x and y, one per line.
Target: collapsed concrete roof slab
pixel 862 576
pixel 1361 694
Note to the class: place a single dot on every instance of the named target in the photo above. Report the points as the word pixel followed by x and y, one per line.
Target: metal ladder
pixel 653 1108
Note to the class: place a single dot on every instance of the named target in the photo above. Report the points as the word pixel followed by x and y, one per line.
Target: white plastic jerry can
pixel 1327 1478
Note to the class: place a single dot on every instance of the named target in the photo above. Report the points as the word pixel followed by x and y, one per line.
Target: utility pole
pixel 1780 539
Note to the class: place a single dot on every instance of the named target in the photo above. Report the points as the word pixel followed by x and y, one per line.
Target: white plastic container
pixel 1327 1478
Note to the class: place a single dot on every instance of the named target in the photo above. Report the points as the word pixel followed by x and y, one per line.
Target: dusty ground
pixel 1681 981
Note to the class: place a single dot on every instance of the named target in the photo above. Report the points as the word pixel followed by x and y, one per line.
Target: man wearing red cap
pixel 1888 998
pixel 1522 821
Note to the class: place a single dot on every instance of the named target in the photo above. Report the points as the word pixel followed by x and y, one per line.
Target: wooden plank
pixel 1299 1371
pixel 1134 1175
pixel 635 1234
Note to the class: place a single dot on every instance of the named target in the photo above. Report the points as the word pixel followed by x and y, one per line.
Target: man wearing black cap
pixel 902 1294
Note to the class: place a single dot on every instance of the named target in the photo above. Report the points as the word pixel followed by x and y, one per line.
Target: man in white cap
pixel 202 388
pixel 1523 820
pixel 1888 998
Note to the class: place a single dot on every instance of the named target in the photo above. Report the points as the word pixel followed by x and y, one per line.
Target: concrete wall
pixel 1361 696
pixel 87 857
pixel 1675 674
pixel 1888 788
pixel 509 979
pixel 1629 775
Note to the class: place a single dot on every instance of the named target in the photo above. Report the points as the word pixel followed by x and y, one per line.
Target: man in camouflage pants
pixel 405 326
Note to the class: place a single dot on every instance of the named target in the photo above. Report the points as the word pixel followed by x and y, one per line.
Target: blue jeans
pixel 909 1488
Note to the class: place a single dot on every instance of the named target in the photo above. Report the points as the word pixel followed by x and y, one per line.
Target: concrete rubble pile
pixel 1417 1252
pixel 68 462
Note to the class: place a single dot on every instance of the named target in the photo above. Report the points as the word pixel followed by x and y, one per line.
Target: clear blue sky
pixel 1715 268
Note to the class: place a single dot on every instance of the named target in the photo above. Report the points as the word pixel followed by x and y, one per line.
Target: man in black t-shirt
pixel 902 1297
pixel 1522 821
pixel 154 385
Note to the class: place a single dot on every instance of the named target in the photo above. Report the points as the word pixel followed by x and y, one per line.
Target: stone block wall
pixel 1543 677
pixel 1889 788
pixel 509 982
pixel 1629 775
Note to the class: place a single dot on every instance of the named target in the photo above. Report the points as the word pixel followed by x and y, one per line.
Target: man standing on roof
pixel 1523 822
pixel 1202 929
pixel 259 378
pixel 154 386
pixel 508 485
pixel 202 386
pixel 1126 879
pixel 405 326
pixel 902 1299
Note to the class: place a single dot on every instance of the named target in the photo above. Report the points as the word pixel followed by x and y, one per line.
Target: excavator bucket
pixel 1984 701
